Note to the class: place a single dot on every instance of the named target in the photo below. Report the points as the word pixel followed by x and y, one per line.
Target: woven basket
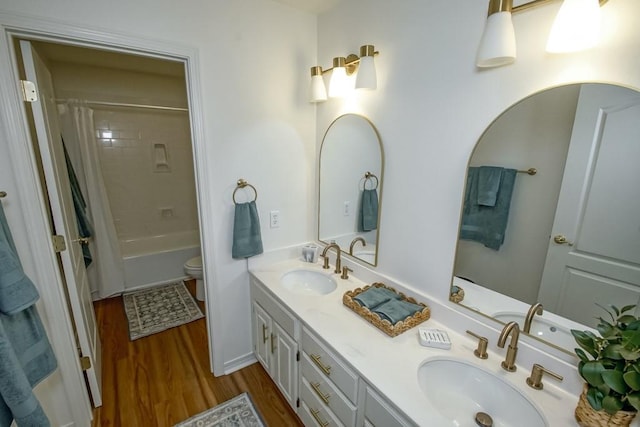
pixel 586 416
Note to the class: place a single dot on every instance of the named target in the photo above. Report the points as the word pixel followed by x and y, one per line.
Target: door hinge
pixel 59 244
pixel 297 356
pixel 29 91
pixel 297 402
pixel 85 363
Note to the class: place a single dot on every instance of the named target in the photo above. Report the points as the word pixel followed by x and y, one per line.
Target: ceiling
pixel 312 6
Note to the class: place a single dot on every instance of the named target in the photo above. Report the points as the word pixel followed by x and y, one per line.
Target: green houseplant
pixel 610 364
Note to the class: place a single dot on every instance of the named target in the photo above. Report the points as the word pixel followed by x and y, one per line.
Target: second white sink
pixel 542 328
pixel 308 282
pixel 459 391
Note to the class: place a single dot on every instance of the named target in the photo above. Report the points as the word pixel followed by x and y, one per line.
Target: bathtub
pixel 158 259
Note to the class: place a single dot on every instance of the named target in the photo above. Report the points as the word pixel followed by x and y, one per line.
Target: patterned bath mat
pixel 237 412
pixel 157 309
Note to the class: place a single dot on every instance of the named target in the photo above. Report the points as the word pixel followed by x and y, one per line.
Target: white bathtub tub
pixel 157 259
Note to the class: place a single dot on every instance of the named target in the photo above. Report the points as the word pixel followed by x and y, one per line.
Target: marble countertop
pixel 391 364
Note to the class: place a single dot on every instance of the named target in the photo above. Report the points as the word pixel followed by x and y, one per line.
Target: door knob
pixel 562 240
pixel 82 240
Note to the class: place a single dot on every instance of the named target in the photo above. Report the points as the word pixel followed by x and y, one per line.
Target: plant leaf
pixel 626 319
pixel 613 352
pixel 594 397
pixel 605 329
pixel 612 404
pixel 632 378
pixel 581 355
pixel 634 400
pixel 629 354
pixel 627 308
pixel 634 326
pixel 585 341
pixel 615 380
pixel 592 372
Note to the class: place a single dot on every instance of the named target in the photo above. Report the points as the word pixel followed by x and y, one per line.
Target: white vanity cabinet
pixel 274 341
pixel 379 413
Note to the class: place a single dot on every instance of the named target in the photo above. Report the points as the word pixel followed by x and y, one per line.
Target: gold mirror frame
pixel 344 168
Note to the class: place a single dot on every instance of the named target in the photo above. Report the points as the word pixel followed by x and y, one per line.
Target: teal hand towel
pixel 368 210
pixel 489 178
pixel 374 296
pixel 487 224
pixel 17 291
pixel 397 310
pixel 247 240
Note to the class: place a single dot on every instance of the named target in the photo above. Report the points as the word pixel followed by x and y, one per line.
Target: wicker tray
pixel 383 324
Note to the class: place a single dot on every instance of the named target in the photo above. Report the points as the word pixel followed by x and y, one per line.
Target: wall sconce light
pixel 341 69
pixel 575 28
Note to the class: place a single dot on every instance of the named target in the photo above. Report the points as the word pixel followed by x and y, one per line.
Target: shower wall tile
pixel 136 192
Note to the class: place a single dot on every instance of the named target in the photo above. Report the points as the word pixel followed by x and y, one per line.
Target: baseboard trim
pixel 239 363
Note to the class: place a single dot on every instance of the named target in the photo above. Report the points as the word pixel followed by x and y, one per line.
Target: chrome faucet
pixel 353 243
pixel 511 328
pixel 533 310
pixel 326 257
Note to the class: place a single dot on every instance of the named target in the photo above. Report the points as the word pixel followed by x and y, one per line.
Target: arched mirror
pixel 568 236
pixel 351 169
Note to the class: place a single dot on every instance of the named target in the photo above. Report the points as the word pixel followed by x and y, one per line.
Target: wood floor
pixel 164 378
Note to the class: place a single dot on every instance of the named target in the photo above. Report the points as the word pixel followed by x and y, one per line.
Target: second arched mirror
pixel 351 178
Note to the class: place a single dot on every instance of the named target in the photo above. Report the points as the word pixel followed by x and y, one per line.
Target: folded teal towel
pixel 487 224
pixel 374 296
pixel 17 291
pixel 247 240
pixel 489 178
pixel 368 210
pixel 397 310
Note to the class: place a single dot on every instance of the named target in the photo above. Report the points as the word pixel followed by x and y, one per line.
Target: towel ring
pixel 242 184
pixel 3 194
pixel 367 177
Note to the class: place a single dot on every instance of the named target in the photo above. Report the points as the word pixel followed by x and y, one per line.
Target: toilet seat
pixel 194 263
pixel 193 268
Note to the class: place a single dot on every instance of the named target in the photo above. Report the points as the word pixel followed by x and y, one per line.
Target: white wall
pixel 534 133
pixel 432 105
pixel 253 58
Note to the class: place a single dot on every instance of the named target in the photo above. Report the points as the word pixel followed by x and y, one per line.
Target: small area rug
pixel 159 308
pixel 237 412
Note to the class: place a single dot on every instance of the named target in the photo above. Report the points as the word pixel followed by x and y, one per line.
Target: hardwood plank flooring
pixel 164 378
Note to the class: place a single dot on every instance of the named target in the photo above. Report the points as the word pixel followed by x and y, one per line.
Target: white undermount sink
pixel 459 391
pixel 541 328
pixel 308 282
pixel 366 256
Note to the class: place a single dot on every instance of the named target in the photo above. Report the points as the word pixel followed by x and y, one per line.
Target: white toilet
pixel 193 268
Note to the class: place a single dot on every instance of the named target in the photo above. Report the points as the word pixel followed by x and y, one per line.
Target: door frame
pixel 33 207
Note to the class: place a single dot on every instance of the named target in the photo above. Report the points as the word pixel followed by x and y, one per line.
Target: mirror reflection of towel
pixel 487 224
pixel 247 240
pixel 368 210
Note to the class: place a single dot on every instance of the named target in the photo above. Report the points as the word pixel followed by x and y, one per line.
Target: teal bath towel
pixel 489 178
pixel 26 357
pixel 487 224
pixel 374 296
pixel 397 310
pixel 368 210
pixel 247 240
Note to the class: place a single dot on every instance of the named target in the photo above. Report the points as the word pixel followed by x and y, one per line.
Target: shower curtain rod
pixel 121 104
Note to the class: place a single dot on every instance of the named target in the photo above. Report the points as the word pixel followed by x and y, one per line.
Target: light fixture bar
pixel 350 61
pixel 535 3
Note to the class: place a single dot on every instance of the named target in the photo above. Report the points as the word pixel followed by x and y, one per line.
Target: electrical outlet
pixel 346 208
pixel 275 219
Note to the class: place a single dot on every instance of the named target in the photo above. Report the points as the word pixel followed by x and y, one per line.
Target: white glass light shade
pixel 318 90
pixel 577 26
pixel 498 43
pixel 366 78
pixel 338 85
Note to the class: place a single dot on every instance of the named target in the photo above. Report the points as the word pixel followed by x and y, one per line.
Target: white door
pixel 594 249
pixel 45 117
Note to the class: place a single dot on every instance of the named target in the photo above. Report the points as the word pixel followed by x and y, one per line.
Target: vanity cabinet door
pixel 379 413
pixel 276 351
pixel 261 331
pixel 283 363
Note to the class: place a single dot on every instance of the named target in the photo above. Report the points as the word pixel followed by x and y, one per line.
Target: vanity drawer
pixel 330 365
pixel 313 412
pixel 379 413
pixel 326 392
